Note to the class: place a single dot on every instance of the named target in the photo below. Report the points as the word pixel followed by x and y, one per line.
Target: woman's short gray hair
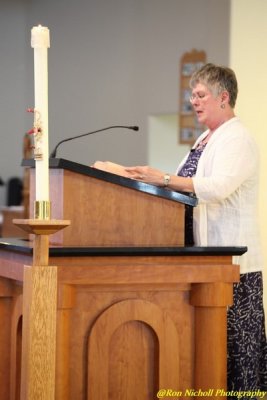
pixel 217 79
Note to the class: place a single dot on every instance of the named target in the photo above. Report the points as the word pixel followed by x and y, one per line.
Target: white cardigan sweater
pixel 226 185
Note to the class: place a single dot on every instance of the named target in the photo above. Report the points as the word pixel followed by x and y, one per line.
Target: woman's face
pixel 207 106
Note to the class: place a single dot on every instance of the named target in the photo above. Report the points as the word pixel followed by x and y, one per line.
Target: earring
pixel 222 105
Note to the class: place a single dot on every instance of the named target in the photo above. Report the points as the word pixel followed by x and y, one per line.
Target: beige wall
pixel 248 57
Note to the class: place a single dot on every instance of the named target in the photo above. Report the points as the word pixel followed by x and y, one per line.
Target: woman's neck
pixel 225 118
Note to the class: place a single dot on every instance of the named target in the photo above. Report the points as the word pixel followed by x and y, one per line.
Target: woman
pixel 222 170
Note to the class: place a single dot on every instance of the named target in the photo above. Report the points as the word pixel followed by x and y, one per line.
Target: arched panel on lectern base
pixel 134 346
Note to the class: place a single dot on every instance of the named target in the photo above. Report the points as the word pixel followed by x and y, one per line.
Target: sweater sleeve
pixel 229 163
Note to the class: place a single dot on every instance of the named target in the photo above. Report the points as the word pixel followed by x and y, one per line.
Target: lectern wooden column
pixel 134 318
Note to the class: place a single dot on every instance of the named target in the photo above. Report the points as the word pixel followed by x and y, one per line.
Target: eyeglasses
pixel 197 96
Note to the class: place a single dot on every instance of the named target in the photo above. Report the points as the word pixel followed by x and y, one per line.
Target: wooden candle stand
pixel 39 313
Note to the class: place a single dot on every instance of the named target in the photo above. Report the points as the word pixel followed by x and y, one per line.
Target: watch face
pixel 166 179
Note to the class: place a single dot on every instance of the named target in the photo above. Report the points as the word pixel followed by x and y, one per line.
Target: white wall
pixel 110 62
pixel 164 150
pixel 248 57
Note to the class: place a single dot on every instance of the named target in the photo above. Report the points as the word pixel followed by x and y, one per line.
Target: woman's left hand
pixel 146 174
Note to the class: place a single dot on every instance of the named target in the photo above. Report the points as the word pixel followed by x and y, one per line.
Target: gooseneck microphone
pixel 54 152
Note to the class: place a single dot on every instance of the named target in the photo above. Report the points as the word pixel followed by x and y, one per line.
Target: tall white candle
pixel 40 41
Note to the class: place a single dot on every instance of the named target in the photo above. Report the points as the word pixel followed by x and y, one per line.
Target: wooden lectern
pixel 110 210
pixel 138 314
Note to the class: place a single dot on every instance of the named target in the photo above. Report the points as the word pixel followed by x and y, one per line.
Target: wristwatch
pixel 166 179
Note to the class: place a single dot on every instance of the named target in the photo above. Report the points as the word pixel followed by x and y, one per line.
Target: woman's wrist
pixel 166 180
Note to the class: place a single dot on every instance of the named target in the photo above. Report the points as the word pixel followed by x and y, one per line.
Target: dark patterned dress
pixel 188 170
pixel 247 345
pixel 246 337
